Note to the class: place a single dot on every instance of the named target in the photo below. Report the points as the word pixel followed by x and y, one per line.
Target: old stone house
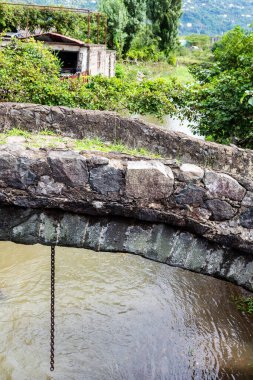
pixel 77 56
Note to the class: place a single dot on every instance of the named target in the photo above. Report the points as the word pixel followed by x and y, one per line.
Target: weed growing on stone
pixel 244 304
pixel 47 132
pixel 48 139
pixel 97 144
pixel 18 132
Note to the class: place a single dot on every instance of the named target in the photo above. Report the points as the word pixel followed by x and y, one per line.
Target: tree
pixel 221 102
pixel 116 12
pixel 164 16
pixel 136 10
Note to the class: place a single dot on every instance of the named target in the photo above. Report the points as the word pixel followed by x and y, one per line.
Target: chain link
pixel 52 308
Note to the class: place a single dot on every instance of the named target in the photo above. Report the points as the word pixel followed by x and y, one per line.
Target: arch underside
pixel 155 241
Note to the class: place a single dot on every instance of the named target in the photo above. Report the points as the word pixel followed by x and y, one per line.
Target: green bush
pixel 220 102
pixel 29 72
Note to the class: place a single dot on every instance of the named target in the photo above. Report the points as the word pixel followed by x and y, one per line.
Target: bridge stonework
pixel 185 210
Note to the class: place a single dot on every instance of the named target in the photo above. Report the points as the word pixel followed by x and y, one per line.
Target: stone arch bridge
pixel 193 208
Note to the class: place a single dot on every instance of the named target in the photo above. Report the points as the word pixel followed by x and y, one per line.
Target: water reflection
pixel 173 124
pixel 117 317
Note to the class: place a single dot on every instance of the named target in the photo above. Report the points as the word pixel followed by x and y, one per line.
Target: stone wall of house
pixel 110 63
pixel 97 59
pixel 134 133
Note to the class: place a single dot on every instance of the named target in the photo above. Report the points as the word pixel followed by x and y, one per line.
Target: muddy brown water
pixel 118 316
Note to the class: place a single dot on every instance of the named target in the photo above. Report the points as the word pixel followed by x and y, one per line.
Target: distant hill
pixel 212 17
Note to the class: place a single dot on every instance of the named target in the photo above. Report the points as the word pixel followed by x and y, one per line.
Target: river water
pixel 118 316
pixel 170 123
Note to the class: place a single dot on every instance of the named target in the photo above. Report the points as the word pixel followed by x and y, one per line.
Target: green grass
pixel 18 132
pixel 47 139
pixel 153 70
pixel 118 147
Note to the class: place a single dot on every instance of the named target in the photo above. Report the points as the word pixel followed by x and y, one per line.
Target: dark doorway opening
pixel 69 61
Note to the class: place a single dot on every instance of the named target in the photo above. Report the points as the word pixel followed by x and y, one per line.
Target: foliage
pixel 153 24
pixel 164 16
pixel 200 40
pixel 136 10
pixel 29 72
pixel 244 304
pixel 154 97
pixel 145 47
pixel 117 21
pixel 124 19
pixel 64 22
pixel 211 17
pixel 218 103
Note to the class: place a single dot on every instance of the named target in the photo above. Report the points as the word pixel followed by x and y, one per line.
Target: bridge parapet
pixel 109 126
pixel 208 203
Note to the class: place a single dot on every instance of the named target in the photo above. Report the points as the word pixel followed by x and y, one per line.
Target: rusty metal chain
pixel 52 308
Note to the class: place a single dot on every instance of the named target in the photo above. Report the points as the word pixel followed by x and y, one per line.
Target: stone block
pixel 114 236
pixel 69 168
pixel 149 180
pixel 248 199
pixel 71 230
pixel 191 172
pixel 47 186
pixel 191 195
pixel 26 232
pixel 106 179
pixel 181 249
pixel 8 169
pixel 221 210
pixel 162 243
pixel 138 239
pixel 222 185
pixel 246 218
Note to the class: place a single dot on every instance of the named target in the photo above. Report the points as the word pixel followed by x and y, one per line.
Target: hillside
pixel 212 17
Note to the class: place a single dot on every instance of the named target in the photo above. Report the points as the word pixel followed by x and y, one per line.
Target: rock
pixel 69 168
pixel 98 160
pixel 191 195
pixel 222 185
pixel 149 180
pixel 191 172
pixel 246 218
pixel 248 199
pixel 8 170
pixel 31 166
pixel 106 179
pixel 221 210
pixel 16 140
pixel 28 176
pixel 47 186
